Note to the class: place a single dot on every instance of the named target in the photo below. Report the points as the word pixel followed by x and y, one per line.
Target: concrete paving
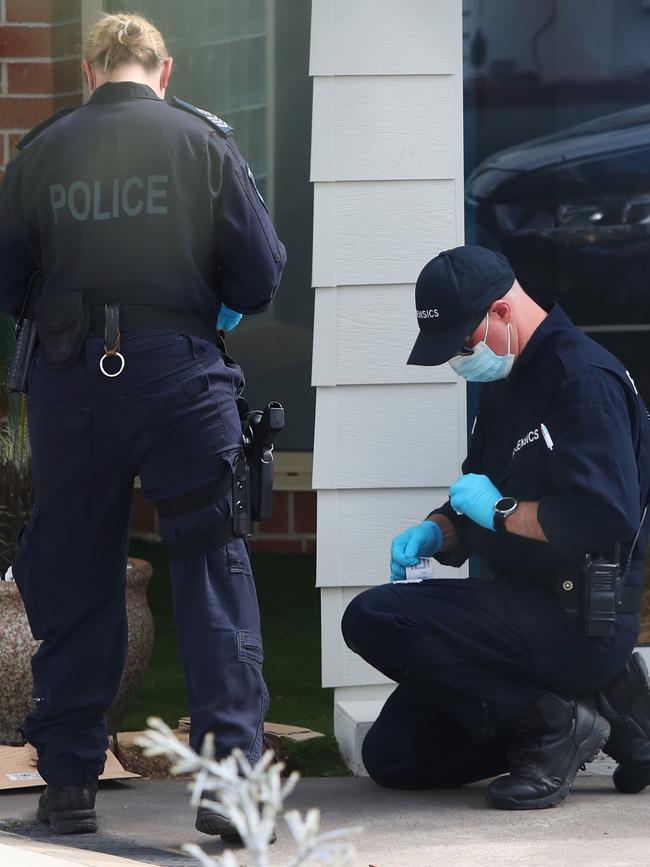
pixel 146 821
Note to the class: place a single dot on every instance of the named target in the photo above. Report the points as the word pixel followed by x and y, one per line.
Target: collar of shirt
pixel 112 90
pixel 556 321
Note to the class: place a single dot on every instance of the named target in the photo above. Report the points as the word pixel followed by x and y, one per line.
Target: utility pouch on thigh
pixel 62 321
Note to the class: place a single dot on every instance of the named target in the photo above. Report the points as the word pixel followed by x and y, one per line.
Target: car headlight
pixel 604 220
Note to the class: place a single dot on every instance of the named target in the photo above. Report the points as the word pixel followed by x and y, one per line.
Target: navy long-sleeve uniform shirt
pixel 131 198
pixel 590 472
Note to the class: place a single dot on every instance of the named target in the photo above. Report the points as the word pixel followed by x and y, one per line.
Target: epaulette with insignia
pixel 213 119
pixel 38 129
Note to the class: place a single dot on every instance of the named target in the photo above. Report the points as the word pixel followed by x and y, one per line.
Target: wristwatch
pixel 503 507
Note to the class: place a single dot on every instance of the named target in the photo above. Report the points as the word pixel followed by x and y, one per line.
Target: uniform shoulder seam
pixel 43 125
pixel 218 124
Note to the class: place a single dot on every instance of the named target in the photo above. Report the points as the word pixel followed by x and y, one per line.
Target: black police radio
pixel 601 587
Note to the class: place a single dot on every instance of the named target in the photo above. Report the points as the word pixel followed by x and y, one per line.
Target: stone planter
pixel 17 648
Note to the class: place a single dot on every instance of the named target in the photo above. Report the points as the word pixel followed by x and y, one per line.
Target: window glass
pixel 557 157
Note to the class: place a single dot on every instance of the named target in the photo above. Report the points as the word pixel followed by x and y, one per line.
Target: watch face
pixel 505 504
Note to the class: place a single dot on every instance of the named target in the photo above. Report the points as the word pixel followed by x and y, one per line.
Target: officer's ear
pixel 165 73
pixel 503 310
pixel 89 72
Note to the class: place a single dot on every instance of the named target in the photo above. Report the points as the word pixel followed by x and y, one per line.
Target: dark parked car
pixel 572 211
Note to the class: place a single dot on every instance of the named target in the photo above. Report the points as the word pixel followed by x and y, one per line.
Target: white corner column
pixel 387 167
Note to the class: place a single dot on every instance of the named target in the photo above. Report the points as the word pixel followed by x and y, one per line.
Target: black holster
pixel 260 429
pixel 62 322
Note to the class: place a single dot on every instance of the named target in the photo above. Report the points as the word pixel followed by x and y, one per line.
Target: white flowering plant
pixel 252 796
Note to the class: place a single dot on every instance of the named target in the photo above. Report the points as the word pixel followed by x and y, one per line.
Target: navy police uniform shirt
pixel 133 199
pixel 568 429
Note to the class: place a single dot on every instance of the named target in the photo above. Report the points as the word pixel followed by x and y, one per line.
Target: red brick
pixel 276 546
pixel 25 41
pixel 17 113
pixel 304 511
pixel 57 77
pixel 279 521
pixel 42 10
pixel 143 516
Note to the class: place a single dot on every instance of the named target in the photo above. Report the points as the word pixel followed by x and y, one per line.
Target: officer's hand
pixel 421 541
pixel 228 319
pixel 476 497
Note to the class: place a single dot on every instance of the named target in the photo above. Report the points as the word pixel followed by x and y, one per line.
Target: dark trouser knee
pixel 361 626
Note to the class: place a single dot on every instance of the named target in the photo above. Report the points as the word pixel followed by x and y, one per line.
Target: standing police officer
pixel 149 230
pixel 501 674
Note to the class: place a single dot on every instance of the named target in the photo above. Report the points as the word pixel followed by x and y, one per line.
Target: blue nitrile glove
pixel 476 497
pixel 422 540
pixel 228 319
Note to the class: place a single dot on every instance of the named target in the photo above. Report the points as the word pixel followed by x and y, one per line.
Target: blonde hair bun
pixel 125 38
pixel 131 29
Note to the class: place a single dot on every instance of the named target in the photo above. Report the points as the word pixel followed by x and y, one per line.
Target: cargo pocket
pixel 238 560
pixel 60 435
pixel 249 648
pixel 25 578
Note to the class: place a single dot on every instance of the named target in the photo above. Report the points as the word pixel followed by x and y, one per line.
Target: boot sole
pixel 587 752
pixel 217 826
pixel 70 822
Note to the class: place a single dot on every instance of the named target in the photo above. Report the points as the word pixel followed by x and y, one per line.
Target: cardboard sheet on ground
pixel 18 768
pixel 280 730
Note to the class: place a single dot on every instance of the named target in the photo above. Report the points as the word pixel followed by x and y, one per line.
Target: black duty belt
pixel 628 603
pixel 139 317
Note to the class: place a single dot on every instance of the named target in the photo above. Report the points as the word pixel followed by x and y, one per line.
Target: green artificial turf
pixel 290 610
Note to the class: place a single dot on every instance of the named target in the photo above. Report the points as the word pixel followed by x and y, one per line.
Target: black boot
pixel 625 703
pixel 209 821
pixel 551 739
pixel 69 809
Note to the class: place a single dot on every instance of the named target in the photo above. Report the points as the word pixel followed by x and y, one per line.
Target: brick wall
pixel 291 530
pixel 40 64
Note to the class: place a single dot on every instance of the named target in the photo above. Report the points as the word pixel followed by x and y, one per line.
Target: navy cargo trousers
pixel 171 418
pixel 468 656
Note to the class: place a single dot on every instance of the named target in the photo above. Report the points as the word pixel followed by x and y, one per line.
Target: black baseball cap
pixel 452 295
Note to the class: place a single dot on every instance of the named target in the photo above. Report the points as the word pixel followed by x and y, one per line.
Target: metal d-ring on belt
pixel 112 338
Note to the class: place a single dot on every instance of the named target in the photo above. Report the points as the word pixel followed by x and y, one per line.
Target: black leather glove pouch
pixel 62 321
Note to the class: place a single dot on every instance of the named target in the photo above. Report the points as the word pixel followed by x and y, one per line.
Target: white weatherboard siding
pixel 354 527
pixel 386 37
pixel 388 436
pixel 365 336
pixel 389 127
pixel 380 231
pixel 387 167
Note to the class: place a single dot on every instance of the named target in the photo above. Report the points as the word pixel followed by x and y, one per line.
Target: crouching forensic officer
pixel 527 672
pixel 147 226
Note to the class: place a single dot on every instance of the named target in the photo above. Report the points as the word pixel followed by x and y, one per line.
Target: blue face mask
pixel 484 365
